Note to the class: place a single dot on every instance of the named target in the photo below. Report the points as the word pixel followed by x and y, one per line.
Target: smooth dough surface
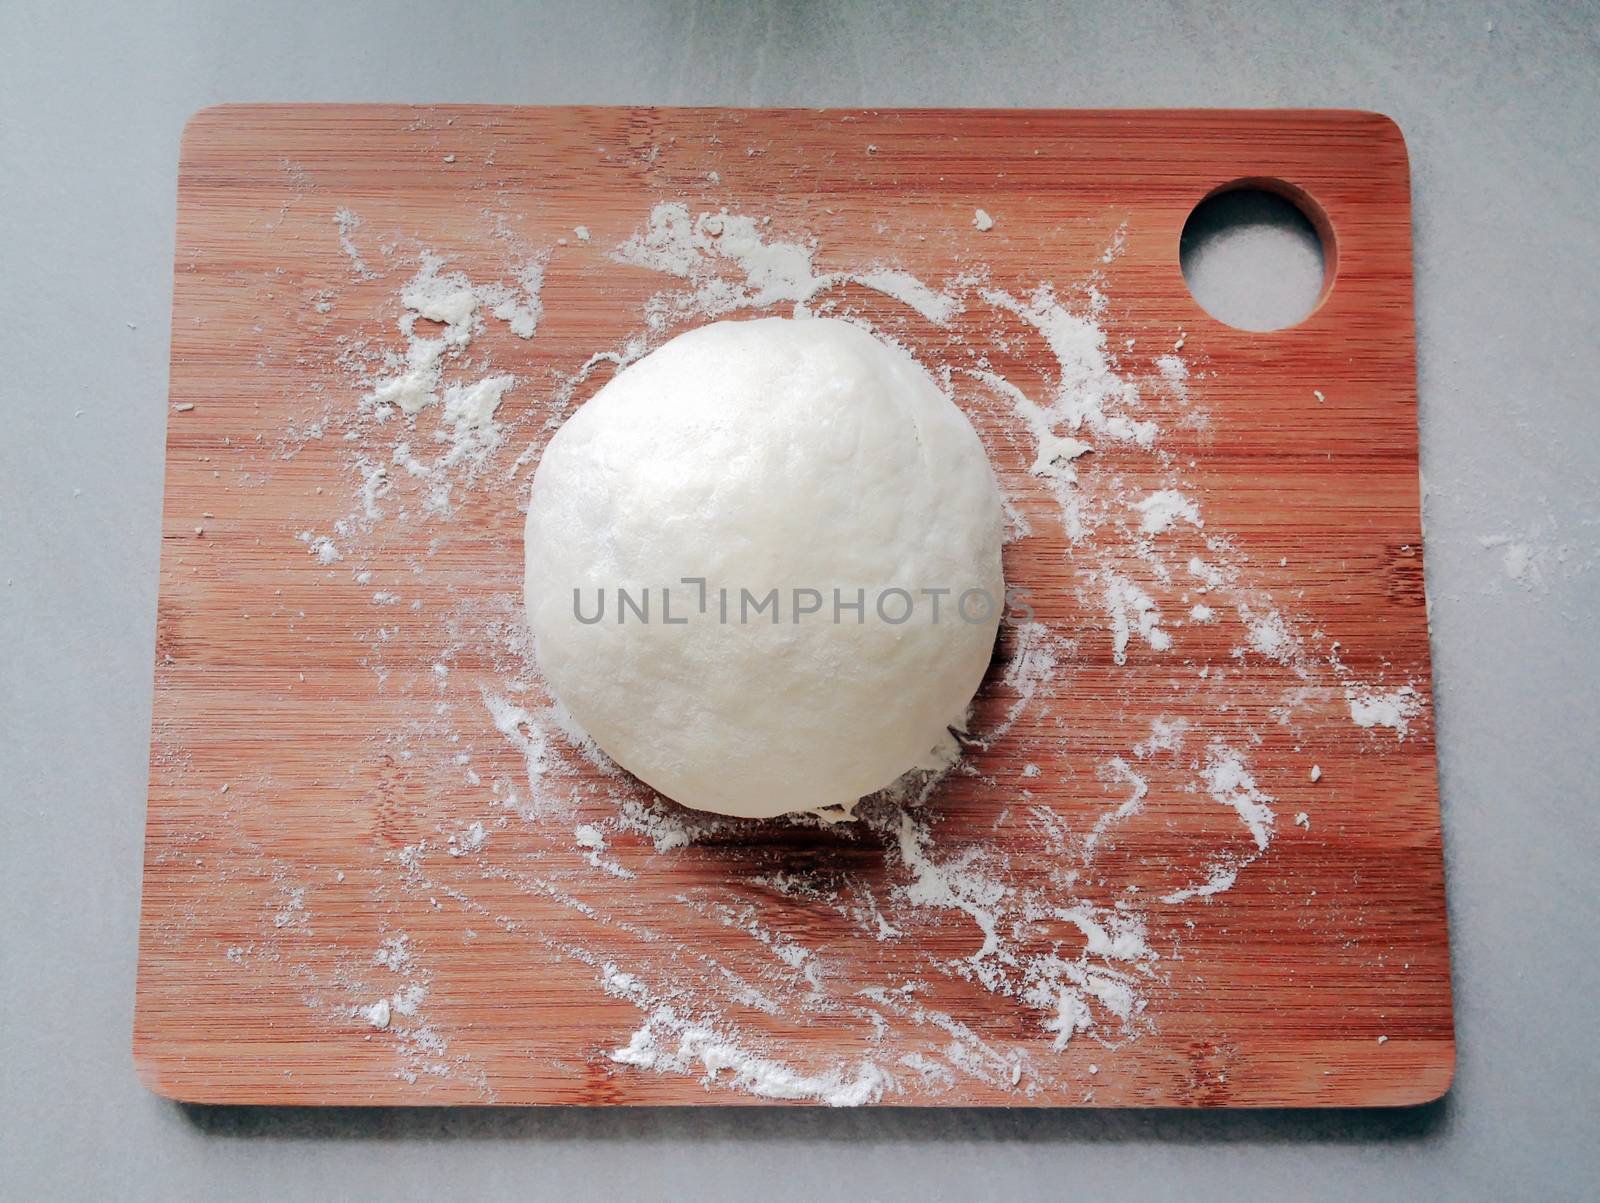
pixel 788 454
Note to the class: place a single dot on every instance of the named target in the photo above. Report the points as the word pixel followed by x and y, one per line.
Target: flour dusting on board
pixel 759 975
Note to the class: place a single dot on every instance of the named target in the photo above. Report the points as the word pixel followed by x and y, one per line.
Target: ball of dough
pixel 791 538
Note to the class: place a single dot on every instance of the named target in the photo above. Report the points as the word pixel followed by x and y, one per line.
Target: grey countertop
pixel 1500 104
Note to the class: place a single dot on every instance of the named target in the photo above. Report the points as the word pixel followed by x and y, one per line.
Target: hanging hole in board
pixel 1258 254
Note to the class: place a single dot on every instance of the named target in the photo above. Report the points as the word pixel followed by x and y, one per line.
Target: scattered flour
pixel 670 1042
pixel 415 384
pixel 722 1063
pixel 1166 735
pixel 1394 709
pixel 590 837
pixel 690 248
pixel 447 299
pixel 697 249
pixel 432 419
pixel 1269 635
pixel 1131 611
pixel 348 223
pixel 525 733
pixel 376 1014
pixel 322 547
pixel 959 885
pixel 1209 576
pixel 1055 451
pixel 1163 509
pixel 518 306
pixel 1222 879
pixel 1138 791
pixel 1175 372
pixel 938 307
pixel 469 841
pixel 1088 392
pixel 1228 780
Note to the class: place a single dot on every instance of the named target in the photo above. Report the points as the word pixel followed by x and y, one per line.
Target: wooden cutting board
pixel 335 819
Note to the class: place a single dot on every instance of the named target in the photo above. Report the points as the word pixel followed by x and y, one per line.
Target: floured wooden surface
pixel 380 869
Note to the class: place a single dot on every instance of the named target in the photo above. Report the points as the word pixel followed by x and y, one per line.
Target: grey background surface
pixel 1502 127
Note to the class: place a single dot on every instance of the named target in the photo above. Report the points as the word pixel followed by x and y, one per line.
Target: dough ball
pixel 765 516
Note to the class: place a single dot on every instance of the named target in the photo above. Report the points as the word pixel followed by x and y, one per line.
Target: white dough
pixel 800 454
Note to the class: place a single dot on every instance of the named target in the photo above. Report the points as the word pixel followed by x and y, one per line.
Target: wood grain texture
pixel 265 906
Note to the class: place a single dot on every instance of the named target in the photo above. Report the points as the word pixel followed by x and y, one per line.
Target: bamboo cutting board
pixel 357 797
